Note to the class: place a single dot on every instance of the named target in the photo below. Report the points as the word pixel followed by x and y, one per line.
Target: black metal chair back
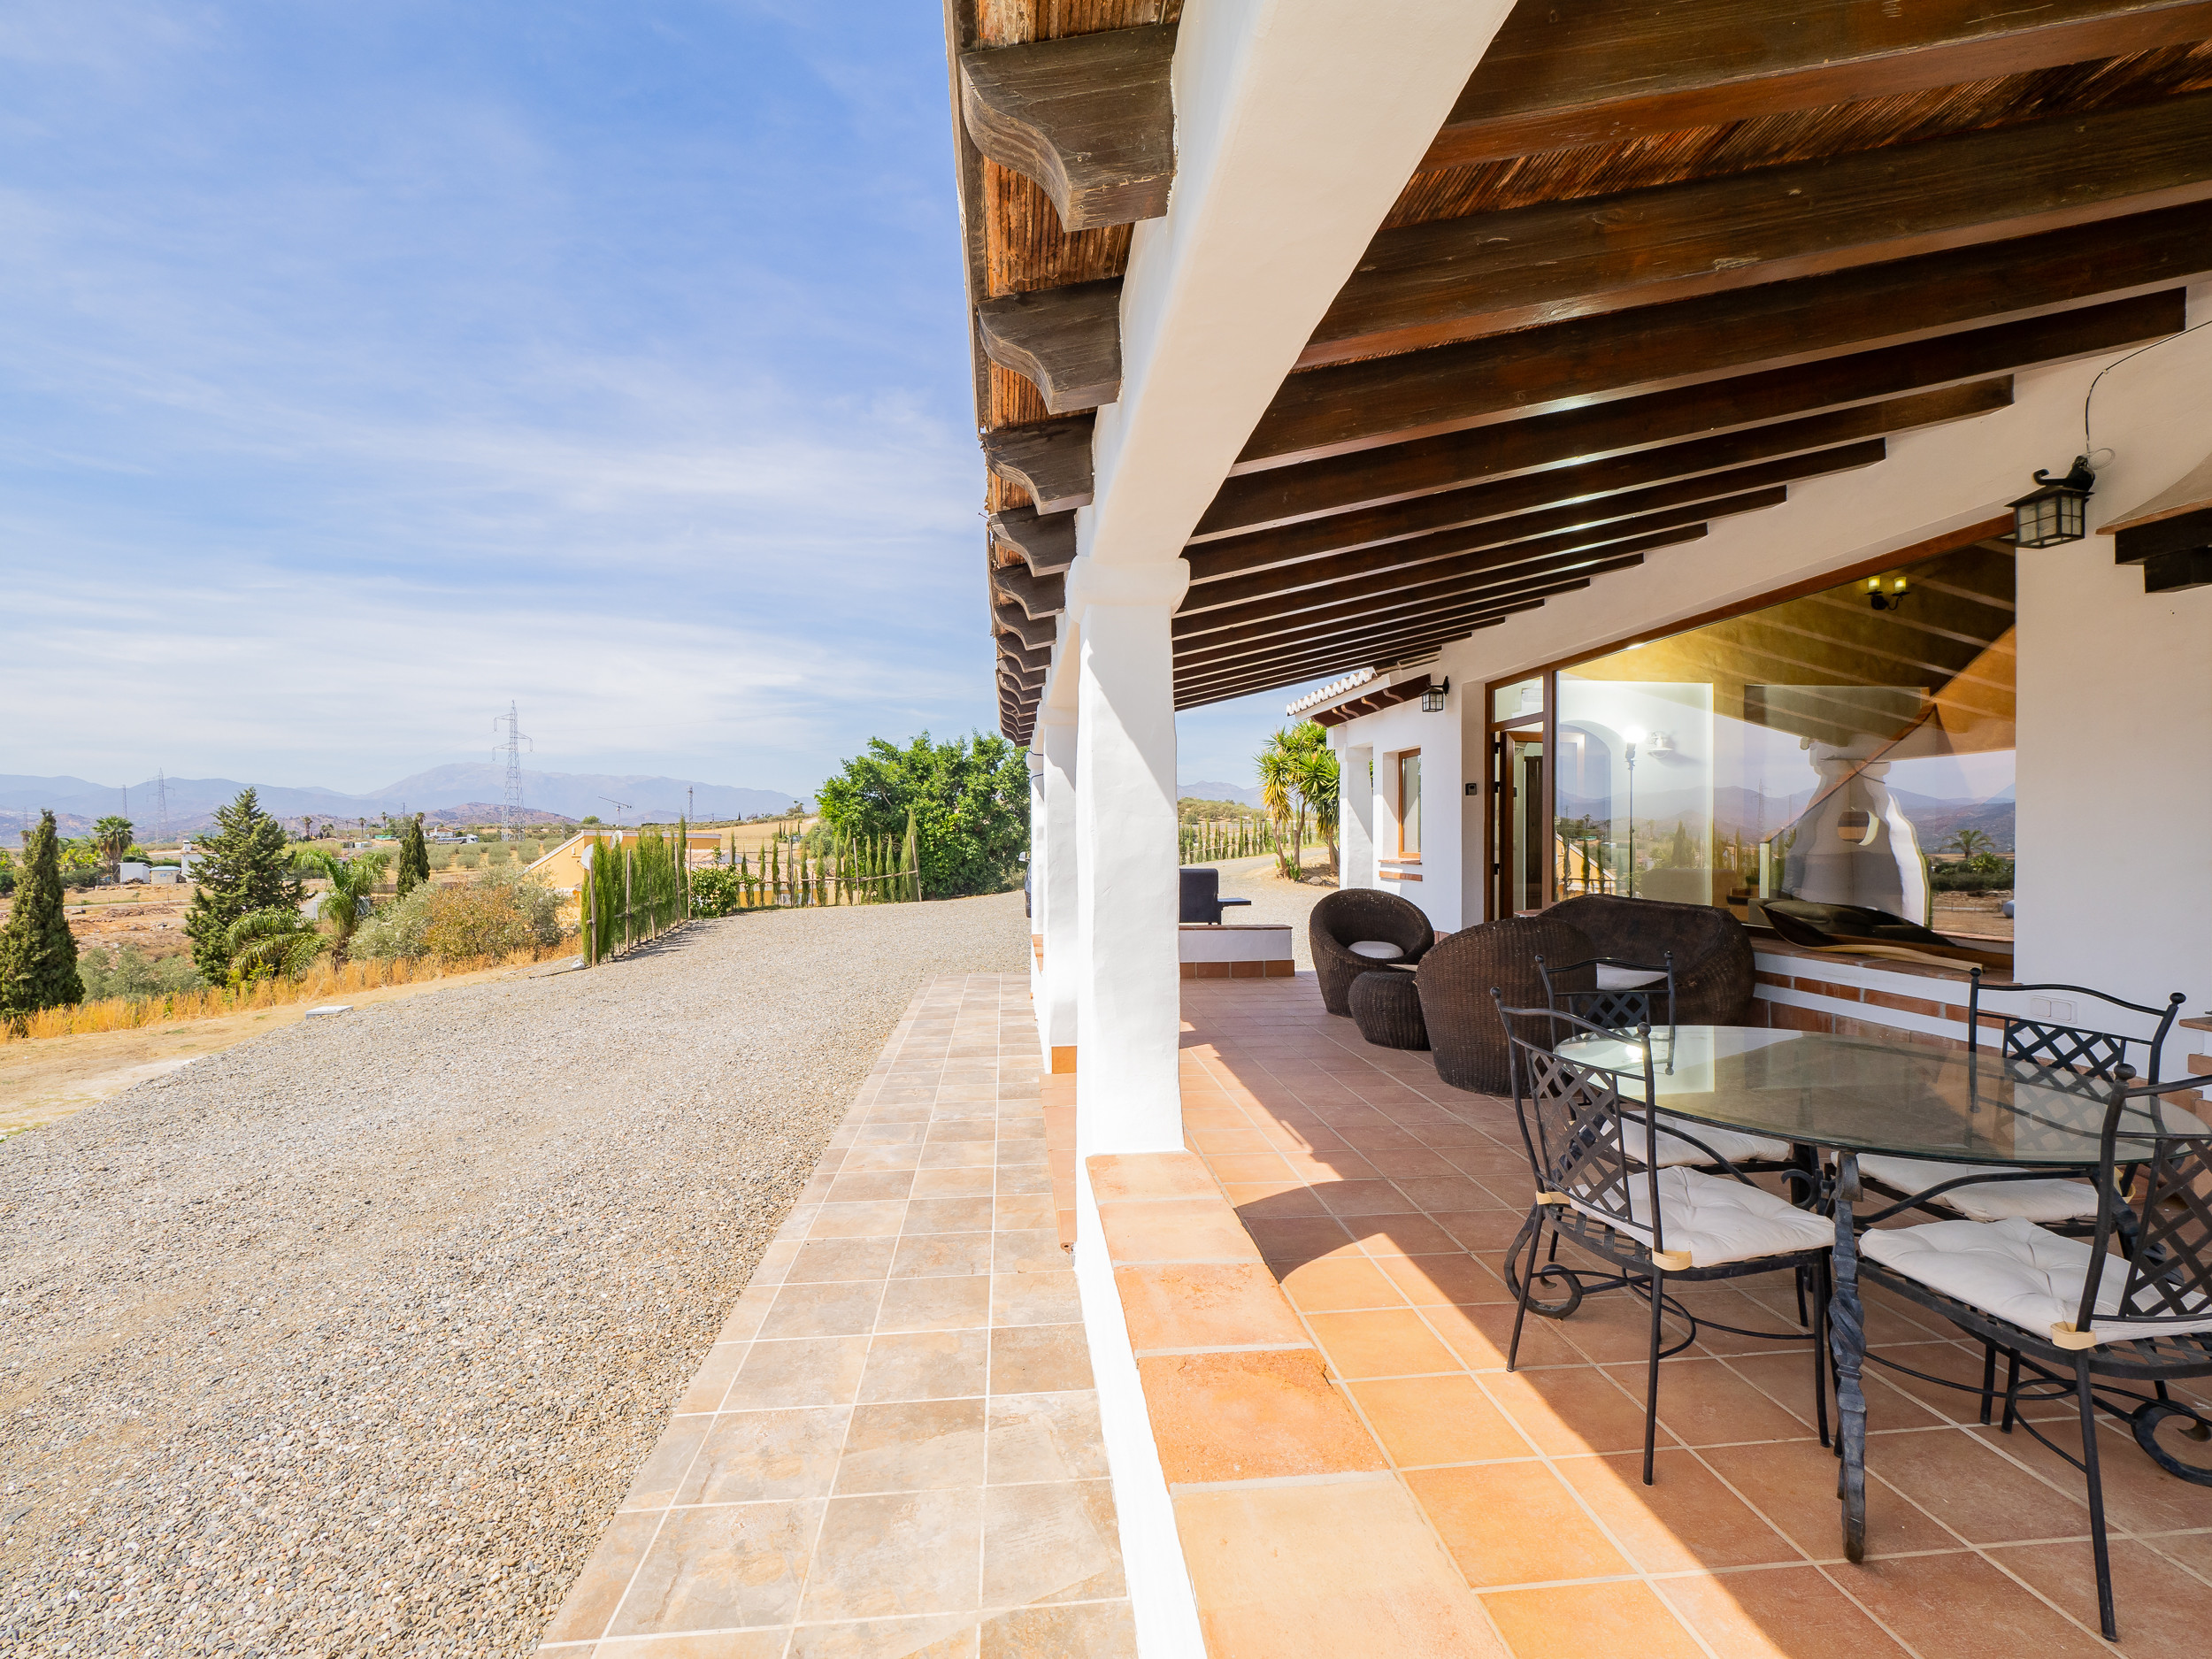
pixel 1571 1118
pixel 2049 1046
pixel 2165 1212
pixel 1615 1010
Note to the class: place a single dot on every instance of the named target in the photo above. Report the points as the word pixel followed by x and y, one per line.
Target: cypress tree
pixel 248 868
pixel 414 857
pixel 38 954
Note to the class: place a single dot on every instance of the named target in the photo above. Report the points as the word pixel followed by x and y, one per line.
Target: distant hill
pixel 1204 791
pixel 455 794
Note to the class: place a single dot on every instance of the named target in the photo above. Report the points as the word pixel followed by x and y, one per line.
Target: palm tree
pixel 264 943
pixel 1969 843
pixel 1278 767
pixel 112 836
pixel 1318 776
pixel 352 886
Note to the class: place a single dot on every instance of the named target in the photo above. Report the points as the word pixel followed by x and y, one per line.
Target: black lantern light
pixel 1432 699
pixel 2057 510
pixel 1887 596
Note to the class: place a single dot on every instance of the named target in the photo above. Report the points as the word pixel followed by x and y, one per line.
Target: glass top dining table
pixel 1863 1095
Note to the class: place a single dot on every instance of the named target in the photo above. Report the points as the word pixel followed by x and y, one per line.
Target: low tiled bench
pixel 1236 950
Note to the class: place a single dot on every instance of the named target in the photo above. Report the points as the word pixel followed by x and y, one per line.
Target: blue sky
pixel 365 365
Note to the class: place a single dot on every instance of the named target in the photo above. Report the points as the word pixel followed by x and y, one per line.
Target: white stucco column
pixel 1128 979
pixel 1355 813
pixel 1055 921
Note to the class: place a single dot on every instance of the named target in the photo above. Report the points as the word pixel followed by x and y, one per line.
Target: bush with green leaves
pixel 247 870
pixel 720 891
pixel 500 911
pixel 131 973
pixel 271 944
pixel 969 801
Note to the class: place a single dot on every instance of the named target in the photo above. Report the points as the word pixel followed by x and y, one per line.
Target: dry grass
pixel 326 978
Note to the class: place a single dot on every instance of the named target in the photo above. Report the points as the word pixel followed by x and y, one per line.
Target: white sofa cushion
pixel 2048 1201
pixel 1376 950
pixel 2016 1271
pixel 1714 1220
pixel 1732 1144
pixel 1626 978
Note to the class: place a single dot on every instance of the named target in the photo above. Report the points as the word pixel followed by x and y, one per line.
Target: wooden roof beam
pixel 1039 597
pixel 1604 71
pixel 1067 341
pixel 1463 279
pixel 1046 541
pixel 1374 649
pixel 1091 117
pixel 1011 620
pixel 1051 459
pixel 1925 301
pixel 1340 481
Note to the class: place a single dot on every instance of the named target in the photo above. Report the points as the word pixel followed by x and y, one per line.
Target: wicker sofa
pixel 1455 978
pixel 1353 916
pixel 1713 972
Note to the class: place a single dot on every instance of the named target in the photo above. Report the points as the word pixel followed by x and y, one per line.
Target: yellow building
pixel 563 868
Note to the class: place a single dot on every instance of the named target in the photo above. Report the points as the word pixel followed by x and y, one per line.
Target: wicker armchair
pixel 1472 1051
pixel 1712 952
pixel 1352 915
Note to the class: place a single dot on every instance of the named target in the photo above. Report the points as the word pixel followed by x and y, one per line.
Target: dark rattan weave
pixel 1344 919
pixel 1713 973
pixel 1457 978
pixel 1387 1008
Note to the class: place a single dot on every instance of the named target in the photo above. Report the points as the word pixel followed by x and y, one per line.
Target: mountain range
pixel 192 802
pixel 1205 791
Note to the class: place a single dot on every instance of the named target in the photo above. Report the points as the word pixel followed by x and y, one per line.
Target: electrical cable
pixel 2089 450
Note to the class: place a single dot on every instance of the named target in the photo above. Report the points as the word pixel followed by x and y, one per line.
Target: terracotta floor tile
pixel 592 1599
pixel 822 1260
pixel 723 1568
pixel 1481 1337
pixel 1022 1251
pixel 747 1313
pixel 931 1636
pixel 916 1552
pixel 1045 1437
pixel 1967 1483
pixel 942 1254
pixel 953 1183
pixel 869 1185
pixel 1205 1305
pixel 711 1380
pixel 1793 1483
pixel 1175 1230
pixel 1513 1524
pixel 935 1303
pixel 1021 1210
pixel 1273 1198
pixel 1035 1298
pixel 876 1218
pixel 1050 1543
pixel 1096 1629
pixel 1706 1404
pixel 1686 1518
pixel 1572 1410
pixel 1578 1621
pixel 1251 1417
pixel 859 1160
pixel 1390 1342
pixel 1247 1142
pixel 1437 1420
pixel 1445 1193
pixel 2161 1606
pixel 925 1365
pixel 1446 1278
pixel 1039 1359
pixel 1362 1198
pixel 1300 1239
pixel 1485 1231
pixel 727 1644
pixel 1962 1608
pixel 912 1446
pixel 1411 1163
pixel 831 1309
pixel 1401 1235
pixel 949 1215
pixel 1610 1327
pixel 1339 1282
pixel 822 1371
pixel 2138 1496
pixel 762 1457
pixel 1792 1613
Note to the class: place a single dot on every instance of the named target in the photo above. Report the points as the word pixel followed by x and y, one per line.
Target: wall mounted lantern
pixel 1432 699
pixel 2057 510
pixel 1887 597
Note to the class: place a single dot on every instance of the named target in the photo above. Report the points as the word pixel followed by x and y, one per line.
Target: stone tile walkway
pixel 893 1448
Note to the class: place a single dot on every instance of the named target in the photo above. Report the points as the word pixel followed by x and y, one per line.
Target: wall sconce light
pixel 1891 598
pixel 2057 510
pixel 1432 699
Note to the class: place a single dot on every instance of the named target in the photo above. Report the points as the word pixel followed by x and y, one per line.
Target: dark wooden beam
pixel 1091 117
pixel 1067 341
pixel 1046 541
pixel 1378 653
pixel 1654 347
pixel 1013 620
pixel 1039 597
pixel 1288 550
pixel 1328 531
pixel 1369 478
pixel 1605 71
pixel 1463 279
pixel 1378 586
pixel 1050 459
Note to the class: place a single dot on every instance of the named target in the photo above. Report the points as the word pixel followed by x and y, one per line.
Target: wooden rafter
pixel 1051 460
pixel 1067 341
pixel 1039 597
pixel 1044 541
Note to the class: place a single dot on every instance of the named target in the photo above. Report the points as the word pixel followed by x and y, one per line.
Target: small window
pixel 1410 804
pixel 1522 698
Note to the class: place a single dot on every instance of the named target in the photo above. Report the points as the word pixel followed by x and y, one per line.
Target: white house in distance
pixel 1625 405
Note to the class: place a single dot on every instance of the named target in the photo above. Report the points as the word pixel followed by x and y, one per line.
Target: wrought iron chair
pixel 1646 1224
pixel 2030 1051
pixel 1628 994
pixel 2071 1311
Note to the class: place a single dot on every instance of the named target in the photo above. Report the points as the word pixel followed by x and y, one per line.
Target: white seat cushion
pixel 2048 1201
pixel 1713 1220
pixel 2014 1271
pixel 1729 1143
pixel 1626 978
pixel 1376 950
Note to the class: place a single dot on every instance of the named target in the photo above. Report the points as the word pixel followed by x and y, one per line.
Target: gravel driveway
pixel 350 1340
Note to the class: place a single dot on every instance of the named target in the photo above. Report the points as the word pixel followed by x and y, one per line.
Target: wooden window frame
pixel 1401 756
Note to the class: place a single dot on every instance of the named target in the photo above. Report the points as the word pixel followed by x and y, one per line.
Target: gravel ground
pixel 348 1341
pixel 1276 900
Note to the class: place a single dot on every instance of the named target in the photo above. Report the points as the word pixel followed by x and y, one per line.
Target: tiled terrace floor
pixel 1383 1201
pixel 894 1448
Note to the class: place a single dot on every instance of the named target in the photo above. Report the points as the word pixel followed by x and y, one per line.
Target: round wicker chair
pixel 1353 916
pixel 1464 1029
pixel 1713 972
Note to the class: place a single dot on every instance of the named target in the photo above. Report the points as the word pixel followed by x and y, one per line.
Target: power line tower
pixel 161 806
pixel 510 803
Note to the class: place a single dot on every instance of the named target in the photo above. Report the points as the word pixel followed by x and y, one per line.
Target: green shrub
pixel 716 892
pixel 502 910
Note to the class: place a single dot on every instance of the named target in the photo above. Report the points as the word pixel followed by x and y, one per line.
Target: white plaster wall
pixel 1386 735
pixel 2115 686
pixel 1356 815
